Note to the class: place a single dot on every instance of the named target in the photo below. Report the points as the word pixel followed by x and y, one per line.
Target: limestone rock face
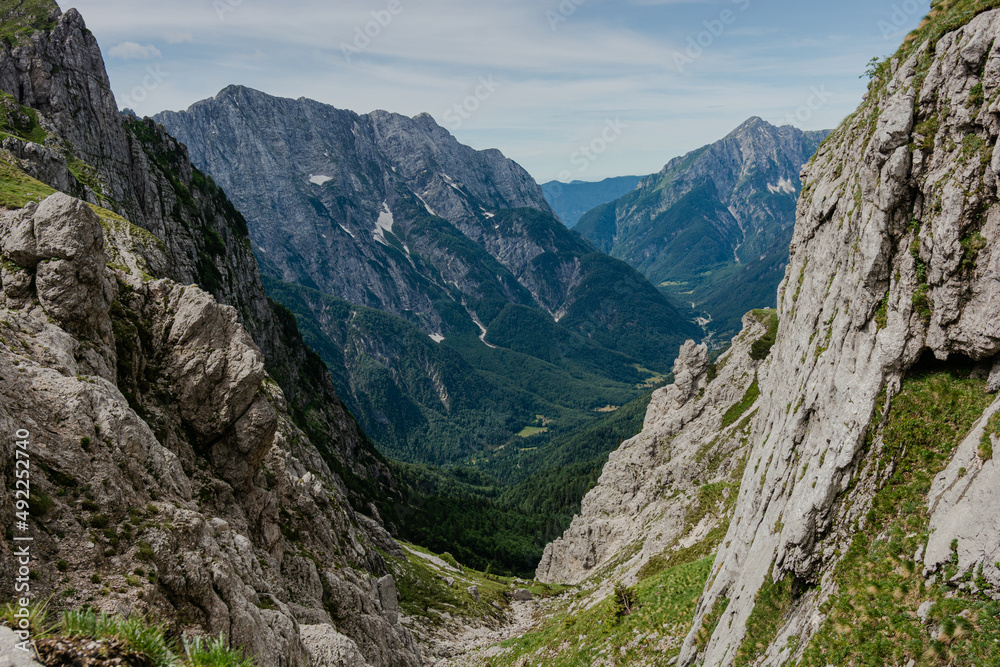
pixel 965 507
pixel 170 450
pixel 56 249
pixel 168 463
pixel 329 648
pixel 893 257
pixel 649 486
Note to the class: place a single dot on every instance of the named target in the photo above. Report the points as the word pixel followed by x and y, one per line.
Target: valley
pixel 292 385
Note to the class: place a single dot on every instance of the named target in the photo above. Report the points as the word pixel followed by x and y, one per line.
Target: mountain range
pixel 451 305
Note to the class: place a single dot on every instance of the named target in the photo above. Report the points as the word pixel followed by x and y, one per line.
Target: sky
pixel 570 89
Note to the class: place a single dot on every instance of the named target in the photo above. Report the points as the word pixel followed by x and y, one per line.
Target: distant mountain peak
pixel 726 208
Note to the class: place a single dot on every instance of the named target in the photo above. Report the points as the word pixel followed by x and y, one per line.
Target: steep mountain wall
pixel 171 475
pixel 893 259
pixel 862 531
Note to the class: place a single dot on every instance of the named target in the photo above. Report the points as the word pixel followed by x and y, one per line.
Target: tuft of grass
pixel 40 624
pixel 761 347
pixel 202 652
pixel 736 411
pixel 140 635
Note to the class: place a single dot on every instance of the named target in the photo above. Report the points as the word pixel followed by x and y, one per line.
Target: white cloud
pixel 610 58
pixel 179 38
pixel 134 51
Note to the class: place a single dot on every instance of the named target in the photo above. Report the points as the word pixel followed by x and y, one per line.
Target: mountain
pixel 392 214
pixel 571 201
pixel 713 227
pixel 821 494
pixel 190 461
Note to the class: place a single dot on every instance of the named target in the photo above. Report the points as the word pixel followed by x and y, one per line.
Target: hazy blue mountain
pixel 571 201
pixel 713 227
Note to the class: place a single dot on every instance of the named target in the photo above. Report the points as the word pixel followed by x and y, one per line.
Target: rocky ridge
pixel 892 276
pixel 172 474
pixel 647 503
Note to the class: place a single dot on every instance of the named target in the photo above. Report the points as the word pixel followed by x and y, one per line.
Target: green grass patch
pixel 135 633
pixel 761 347
pixel 652 633
pixel 736 411
pixel 20 19
pixel 771 607
pixel 986 442
pixel 872 619
pixel 17 188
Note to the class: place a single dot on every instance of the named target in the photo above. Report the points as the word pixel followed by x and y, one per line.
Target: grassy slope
pixel 873 615
pixel 650 635
pixel 19 19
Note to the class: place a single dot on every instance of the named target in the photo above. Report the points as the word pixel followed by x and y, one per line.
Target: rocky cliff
pixel 861 531
pixel 713 226
pixel 172 476
pixel 668 489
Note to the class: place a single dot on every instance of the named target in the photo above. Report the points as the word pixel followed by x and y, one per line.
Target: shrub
pixel 623 603
pixel 761 348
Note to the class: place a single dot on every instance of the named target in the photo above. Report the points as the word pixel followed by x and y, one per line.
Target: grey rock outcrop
pixel 879 276
pixel 56 250
pixel 159 436
pixel 965 511
pixel 683 446
pixel 329 648
pixel 170 451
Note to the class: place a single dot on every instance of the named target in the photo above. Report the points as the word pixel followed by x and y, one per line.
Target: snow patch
pixel 348 231
pixel 451 181
pixel 319 179
pixel 436 337
pixel 429 209
pixel 383 224
pixel 784 185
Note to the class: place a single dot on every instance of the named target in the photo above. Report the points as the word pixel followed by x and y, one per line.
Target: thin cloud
pixel 134 51
pixel 609 58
